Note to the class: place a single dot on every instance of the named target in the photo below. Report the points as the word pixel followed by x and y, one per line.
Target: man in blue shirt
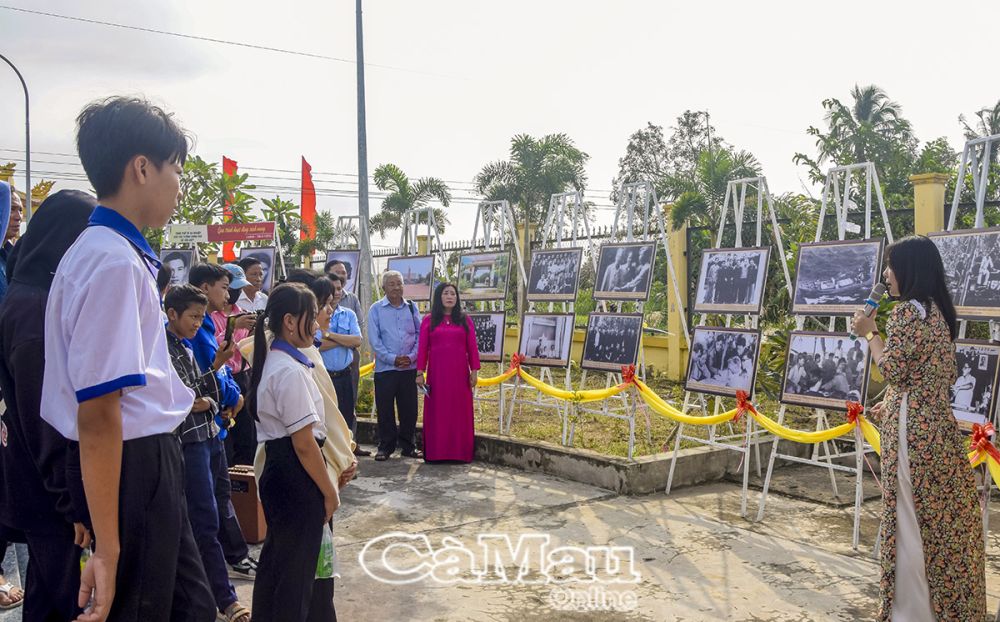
pixel 337 349
pixel 393 331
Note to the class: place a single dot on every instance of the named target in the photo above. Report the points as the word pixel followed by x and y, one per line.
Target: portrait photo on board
pixel 546 338
pixel 722 360
pixel 834 278
pixel 264 254
pixel 418 275
pixel 483 276
pixel 972 270
pixel 825 370
pixel 179 260
pixel 973 391
pixel 554 275
pixel 489 335
pixel 350 260
pixel 624 271
pixel 612 341
pixel 731 280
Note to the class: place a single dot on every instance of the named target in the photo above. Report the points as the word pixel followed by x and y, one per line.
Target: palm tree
pixel 404 196
pixel 700 200
pixel 537 169
pixel 989 123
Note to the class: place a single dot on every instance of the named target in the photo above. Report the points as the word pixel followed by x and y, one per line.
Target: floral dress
pixel 919 366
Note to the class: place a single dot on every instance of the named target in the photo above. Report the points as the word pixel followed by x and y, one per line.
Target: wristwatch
pixel 870 335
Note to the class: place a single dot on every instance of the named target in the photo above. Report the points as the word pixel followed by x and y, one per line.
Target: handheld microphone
pixel 871 303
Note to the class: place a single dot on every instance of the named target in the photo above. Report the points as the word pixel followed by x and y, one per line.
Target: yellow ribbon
pixel 366 369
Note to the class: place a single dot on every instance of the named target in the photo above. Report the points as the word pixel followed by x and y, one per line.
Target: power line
pixel 252 46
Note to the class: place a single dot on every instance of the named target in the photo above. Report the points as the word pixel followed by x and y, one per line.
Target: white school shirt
pixel 259 302
pixel 287 396
pixel 104 332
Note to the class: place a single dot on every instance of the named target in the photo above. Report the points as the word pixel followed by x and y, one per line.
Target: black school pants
pixel 160 576
pixel 399 389
pixel 241 441
pixel 286 589
pixel 52 585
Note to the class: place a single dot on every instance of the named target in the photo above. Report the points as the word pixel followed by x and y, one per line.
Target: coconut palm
pixel 700 201
pixel 989 123
pixel 404 196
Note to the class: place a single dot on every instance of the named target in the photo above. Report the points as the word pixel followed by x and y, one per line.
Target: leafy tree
pixel 871 129
pixel 987 124
pixel 287 222
pixel 647 158
pixel 322 238
pixel 404 196
pixel 701 201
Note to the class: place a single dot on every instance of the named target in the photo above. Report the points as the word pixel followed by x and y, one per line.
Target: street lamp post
pixel 27 138
pixel 365 260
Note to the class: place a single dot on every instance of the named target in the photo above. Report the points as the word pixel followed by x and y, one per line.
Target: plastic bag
pixel 327 562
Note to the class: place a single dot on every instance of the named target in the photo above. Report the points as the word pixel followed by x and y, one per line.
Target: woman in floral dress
pixel 933 560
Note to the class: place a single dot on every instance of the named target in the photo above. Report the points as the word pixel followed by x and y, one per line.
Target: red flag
pixel 229 168
pixel 308 203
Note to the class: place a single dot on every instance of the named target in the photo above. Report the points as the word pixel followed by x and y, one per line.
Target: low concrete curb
pixel 643 475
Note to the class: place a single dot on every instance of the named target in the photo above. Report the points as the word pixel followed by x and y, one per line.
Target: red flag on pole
pixel 308 203
pixel 229 168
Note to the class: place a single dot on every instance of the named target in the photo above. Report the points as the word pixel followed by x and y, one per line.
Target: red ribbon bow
pixel 628 374
pixel 743 405
pixel 854 410
pixel 515 360
pixel 981 435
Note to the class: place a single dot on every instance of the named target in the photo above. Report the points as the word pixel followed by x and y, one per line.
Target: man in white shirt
pixel 252 299
pixel 109 382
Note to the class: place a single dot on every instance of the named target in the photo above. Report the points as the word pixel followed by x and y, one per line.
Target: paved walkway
pixel 698 560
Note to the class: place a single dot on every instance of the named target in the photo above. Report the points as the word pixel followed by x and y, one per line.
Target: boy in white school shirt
pixel 109 382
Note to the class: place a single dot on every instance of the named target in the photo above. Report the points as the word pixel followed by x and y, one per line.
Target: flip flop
pixel 7 590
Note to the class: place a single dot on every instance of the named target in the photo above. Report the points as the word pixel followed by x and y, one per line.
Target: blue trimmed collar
pixel 292 351
pixel 106 217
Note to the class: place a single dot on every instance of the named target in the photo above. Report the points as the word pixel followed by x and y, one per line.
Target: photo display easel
pixel 837 189
pixel 181 235
pixel 566 213
pixel 736 195
pixel 408 242
pixel 975 163
pixel 499 234
pixel 637 204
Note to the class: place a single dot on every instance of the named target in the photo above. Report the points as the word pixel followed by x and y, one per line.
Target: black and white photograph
pixel 972 269
pixel 180 261
pixel 825 370
pixel 350 259
pixel 265 254
pixel 732 280
pixel 972 393
pixel 546 339
pixel 418 275
pixel 489 335
pixel 612 341
pixel 554 275
pixel 483 276
pixel 722 361
pixel 624 271
pixel 834 278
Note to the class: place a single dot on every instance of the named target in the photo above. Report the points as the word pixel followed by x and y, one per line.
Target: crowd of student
pixel 129 392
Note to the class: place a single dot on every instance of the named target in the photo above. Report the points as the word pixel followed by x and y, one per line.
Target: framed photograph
pixel 546 338
pixel 834 278
pixel 973 391
pixel 825 370
pixel 489 335
pixel 972 269
pixel 265 254
pixel 722 360
pixel 179 260
pixel 624 271
pixel 612 341
pixel 483 276
pixel 418 275
pixel 732 280
pixel 554 275
pixel 351 259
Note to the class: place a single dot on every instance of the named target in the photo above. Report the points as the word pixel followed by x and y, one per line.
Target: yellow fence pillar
pixel 423 243
pixel 677 342
pixel 928 202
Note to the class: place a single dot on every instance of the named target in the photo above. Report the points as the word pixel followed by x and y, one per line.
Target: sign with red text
pixel 240 231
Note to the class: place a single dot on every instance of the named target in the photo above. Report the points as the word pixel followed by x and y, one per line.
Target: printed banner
pixel 188 234
pixel 240 231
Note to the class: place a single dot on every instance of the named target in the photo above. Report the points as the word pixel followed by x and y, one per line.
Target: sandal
pixel 13 594
pixel 235 613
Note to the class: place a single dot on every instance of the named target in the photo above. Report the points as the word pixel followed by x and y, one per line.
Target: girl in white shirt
pixel 297 493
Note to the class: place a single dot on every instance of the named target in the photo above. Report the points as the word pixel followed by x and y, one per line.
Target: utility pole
pixel 27 139
pixel 364 243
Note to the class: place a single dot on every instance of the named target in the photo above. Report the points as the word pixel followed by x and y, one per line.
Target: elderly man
pixel 393 329
pixel 13 232
pixel 336 268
